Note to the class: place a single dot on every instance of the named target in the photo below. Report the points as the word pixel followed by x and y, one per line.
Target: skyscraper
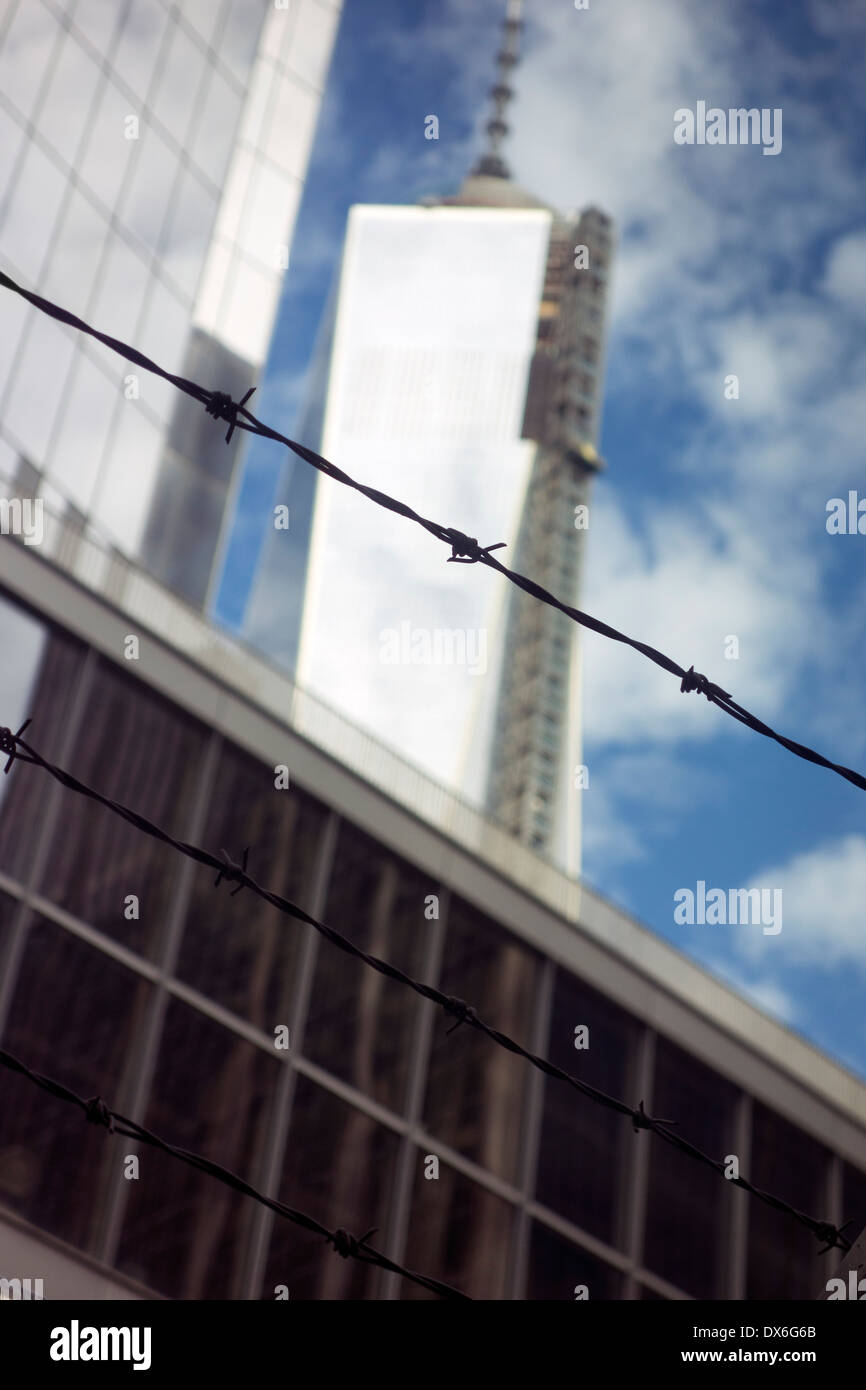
pixel 425 394
pixel 460 369
pixel 153 159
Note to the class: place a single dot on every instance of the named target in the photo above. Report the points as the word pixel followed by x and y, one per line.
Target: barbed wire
pixel 228 871
pixel 97 1112
pixel 464 549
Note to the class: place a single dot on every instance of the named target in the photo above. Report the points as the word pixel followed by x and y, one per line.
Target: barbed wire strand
pixel 464 549
pixel 350 1247
pixel 16 750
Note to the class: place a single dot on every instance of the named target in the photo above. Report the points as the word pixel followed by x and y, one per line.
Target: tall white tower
pixel 460 370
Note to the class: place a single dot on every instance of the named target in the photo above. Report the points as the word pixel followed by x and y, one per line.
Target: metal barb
pixel 222 407
pixel 9 743
pixel 96 1112
pixel 232 872
pixel 693 680
pixel 465 550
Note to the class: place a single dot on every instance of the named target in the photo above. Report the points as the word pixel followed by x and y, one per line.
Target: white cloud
pixel 845 278
pixel 685 580
pixel 610 840
pixel 823 917
pixel 782 358
pixel 838 18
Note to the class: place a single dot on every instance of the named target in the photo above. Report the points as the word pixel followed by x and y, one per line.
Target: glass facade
pixel 688 1209
pixel 585 1151
pixel 152 159
pixel 213 1092
pixel 77 1015
pixel 360 1024
pixel 793 1165
pixel 474 1167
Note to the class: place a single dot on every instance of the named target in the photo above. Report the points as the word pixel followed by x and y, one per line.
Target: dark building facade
pixel 167 1006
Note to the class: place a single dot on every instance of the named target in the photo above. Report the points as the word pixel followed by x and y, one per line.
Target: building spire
pixel 491 162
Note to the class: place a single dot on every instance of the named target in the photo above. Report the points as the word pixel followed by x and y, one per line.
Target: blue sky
pixel 710 520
